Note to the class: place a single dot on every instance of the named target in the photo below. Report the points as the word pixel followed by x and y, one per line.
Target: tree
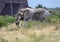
pixel 39 6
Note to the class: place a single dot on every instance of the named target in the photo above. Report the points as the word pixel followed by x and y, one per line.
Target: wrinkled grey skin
pixel 28 14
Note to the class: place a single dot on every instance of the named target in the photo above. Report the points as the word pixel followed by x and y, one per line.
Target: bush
pixel 9 19
pixel 3 23
pixel 5 20
pixel 54 17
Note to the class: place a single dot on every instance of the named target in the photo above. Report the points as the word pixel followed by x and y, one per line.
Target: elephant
pixel 27 14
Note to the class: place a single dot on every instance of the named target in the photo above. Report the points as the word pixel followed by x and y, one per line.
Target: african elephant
pixel 31 14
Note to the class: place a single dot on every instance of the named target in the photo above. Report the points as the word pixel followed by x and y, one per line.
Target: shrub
pixel 54 17
pixel 5 20
pixel 3 23
pixel 9 19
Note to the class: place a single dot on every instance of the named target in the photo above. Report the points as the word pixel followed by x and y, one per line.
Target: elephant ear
pixel 25 12
pixel 26 15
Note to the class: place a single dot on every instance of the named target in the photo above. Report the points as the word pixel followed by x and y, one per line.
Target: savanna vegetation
pixel 32 31
pixel 5 20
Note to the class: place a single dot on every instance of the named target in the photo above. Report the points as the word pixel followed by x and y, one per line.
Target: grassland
pixel 32 31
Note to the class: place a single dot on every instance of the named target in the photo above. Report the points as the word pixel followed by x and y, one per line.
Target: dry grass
pixel 33 34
